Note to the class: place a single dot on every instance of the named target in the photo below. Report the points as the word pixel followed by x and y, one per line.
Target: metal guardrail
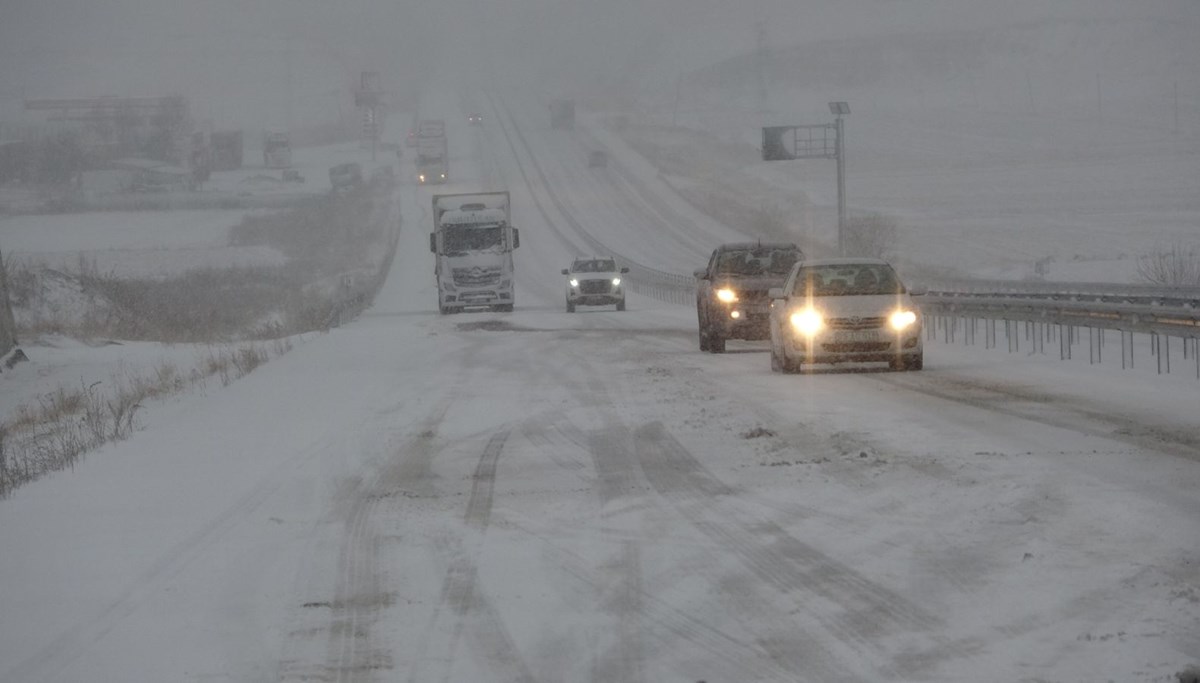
pixel 1057 312
pixel 1174 317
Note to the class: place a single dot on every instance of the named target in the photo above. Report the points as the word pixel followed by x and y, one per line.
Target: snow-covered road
pixel 542 496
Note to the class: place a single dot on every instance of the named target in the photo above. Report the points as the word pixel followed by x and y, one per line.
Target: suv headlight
pixel 807 321
pixel 727 295
pixel 616 282
pixel 902 319
pixel 574 282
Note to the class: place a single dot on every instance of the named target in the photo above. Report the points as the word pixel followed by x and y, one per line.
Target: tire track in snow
pixel 848 605
pixel 464 609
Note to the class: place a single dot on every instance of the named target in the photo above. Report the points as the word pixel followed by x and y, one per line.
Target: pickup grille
pixel 595 286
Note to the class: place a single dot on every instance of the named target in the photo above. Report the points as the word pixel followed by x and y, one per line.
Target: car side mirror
pixel 701 273
pixel 624 270
pixel 565 271
pixel 433 242
pixel 776 293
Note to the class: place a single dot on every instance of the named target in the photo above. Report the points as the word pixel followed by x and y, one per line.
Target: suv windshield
pixel 758 261
pixel 847 279
pixel 594 266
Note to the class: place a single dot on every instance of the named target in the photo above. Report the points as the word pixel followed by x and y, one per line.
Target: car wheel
pixel 716 342
pixel 915 362
pixel 621 305
pixel 570 307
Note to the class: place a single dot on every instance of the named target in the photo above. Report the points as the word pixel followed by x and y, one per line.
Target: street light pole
pixel 840 109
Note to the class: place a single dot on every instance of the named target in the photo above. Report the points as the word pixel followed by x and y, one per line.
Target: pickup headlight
pixel 727 295
pixel 902 319
pixel 807 321
pixel 574 282
pixel 616 282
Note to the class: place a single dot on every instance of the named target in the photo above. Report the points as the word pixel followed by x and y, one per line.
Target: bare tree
pixel 1174 265
pixel 870 234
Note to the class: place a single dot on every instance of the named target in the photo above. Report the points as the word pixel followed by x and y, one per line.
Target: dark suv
pixel 731 292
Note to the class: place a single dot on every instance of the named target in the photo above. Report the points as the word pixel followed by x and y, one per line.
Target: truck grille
pixel 476 277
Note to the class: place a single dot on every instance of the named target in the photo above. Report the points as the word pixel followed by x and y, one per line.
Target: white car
pixel 844 310
pixel 594 282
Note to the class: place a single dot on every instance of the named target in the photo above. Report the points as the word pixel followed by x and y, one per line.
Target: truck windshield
pixel 460 239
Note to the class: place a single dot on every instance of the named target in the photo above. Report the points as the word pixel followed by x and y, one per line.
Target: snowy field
pixel 543 496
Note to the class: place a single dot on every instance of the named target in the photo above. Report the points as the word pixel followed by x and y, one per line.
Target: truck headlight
pixel 902 319
pixel 727 295
pixel 574 282
pixel 807 321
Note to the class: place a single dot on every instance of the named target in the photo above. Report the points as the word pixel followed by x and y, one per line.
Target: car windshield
pixel 847 279
pixel 758 261
pixel 594 266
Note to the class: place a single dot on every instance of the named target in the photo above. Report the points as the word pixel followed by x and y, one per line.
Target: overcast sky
pixel 257 63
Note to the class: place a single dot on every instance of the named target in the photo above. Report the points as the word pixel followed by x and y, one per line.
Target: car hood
pixel 856 305
pixel 749 283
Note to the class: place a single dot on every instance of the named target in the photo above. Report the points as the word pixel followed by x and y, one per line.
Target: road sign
pixel 781 143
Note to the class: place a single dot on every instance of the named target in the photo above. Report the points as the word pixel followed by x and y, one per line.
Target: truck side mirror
pixel 565 271
pixel 701 273
pixel 516 238
pixel 624 270
pixel 433 242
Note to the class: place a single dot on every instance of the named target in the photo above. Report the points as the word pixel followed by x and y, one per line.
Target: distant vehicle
pixel 594 282
pixel 844 310
pixel 277 150
pixel 433 157
pixel 597 159
pixel 731 292
pixel 431 128
pixel 562 114
pixel 345 176
pixel 473 242
pixel 475 119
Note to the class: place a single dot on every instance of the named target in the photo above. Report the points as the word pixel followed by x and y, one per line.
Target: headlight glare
pixel 902 319
pixel 807 321
pixel 616 281
pixel 574 282
pixel 727 295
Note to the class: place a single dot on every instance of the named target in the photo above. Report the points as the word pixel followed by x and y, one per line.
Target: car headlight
pixel 616 282
pixel 727 295
pixel 807 321
pixel 902 319
pixel 420 177
pixel 574 282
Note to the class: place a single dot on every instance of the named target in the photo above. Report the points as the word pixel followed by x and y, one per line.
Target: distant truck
pixel 277 150
pixel 562 114
pixel 345 177
pixel 433 157
pixel 473 241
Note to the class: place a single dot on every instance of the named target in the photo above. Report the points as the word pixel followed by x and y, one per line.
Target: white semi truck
pixel 473 241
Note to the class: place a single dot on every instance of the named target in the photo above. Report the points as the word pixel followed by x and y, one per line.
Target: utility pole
pixel 841 179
